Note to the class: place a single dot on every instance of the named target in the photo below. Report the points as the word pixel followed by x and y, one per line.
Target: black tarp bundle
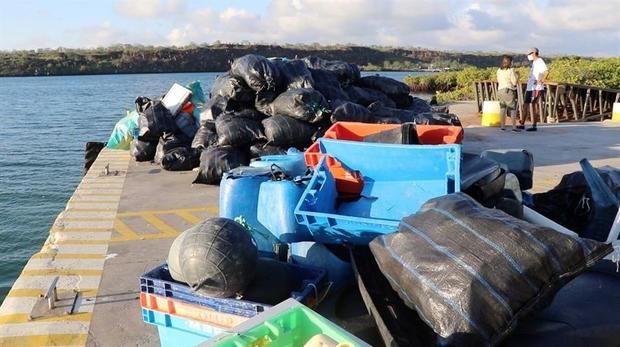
pixel 473 272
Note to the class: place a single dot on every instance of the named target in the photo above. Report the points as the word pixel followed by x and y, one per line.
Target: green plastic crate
pixel 289 324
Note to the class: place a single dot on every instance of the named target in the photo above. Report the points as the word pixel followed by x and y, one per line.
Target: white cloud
pixel 151 8
pixel 555 26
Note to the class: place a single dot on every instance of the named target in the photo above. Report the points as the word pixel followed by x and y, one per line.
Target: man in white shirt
pixel 535 90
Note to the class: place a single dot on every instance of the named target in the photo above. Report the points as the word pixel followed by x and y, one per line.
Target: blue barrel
pixel 292 163
pixel 276 210
pixel 239 200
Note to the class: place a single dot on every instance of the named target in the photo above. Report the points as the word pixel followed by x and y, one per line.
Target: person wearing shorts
pixel 507 81
pixel 535 91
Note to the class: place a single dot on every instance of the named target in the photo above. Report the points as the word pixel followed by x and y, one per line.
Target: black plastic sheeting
pixel 232 88
pixel 473 272
pixel 259 149
pixel 294 73
pixel 181 159
pixel 205 137
pixel 386 85
pixel 215 161
pixel 326 82
pixel 570 203
pixel 168 142
pixel 240 128
pixel 215 106
pixel 346 73
pixel 304 104
pixel 155 121
pixel 286 131
pixel 345 111
pixel 143 150
pixel 258 72
pixel 366 96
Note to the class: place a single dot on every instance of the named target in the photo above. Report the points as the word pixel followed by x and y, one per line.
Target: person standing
pixel 507 81
pixel 535 91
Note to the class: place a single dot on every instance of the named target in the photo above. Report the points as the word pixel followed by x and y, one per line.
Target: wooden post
pixel 585 104
pixel 477 97
pixel 600 103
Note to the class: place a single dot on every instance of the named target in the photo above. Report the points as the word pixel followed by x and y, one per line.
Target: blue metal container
pixel 239 198
pixel 276 210
pixel 398 179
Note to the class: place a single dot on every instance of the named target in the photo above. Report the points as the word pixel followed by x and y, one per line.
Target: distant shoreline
pixel 128 59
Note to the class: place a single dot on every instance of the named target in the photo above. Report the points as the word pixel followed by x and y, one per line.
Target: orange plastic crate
pixel 439 134
pixel 351 131
pixel 195 312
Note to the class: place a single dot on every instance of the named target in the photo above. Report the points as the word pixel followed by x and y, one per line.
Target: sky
pixel 587 28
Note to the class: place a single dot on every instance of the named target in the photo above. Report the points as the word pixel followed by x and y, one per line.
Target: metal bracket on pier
pixel 49 304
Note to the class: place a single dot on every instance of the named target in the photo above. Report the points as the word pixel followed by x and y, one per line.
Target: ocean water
pixel 44 125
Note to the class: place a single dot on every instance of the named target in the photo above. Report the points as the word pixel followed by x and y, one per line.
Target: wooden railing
pixel 563 102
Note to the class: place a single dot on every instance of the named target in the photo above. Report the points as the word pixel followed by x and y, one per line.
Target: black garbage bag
pixel 347 73
pixel 303 104
pixel 366 96
pixel 215 106
pixel 573 205
pixel 260 149
pixel 419 105
pixel 387 120
pixel 215 161
pixel 285 131
pixel 186 125
pixel 205 137
pixel 294 73
pixel 168 142
pixel 155 121
pixel 263 101
pixel 379 110
pixel 473 272
pixel 326 82
pixel 239 128
pixel 386 85
pixel 143 150
pixel 402 101
pixel 438 118
pixel 181 159
pixel 350 112
pixel 232 88
pixel 258 72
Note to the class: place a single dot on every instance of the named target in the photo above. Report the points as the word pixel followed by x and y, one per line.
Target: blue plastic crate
pixel 398 179
pixel 307 281
pixel 177 331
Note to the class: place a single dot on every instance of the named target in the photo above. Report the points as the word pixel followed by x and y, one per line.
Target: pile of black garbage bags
pixel 264 106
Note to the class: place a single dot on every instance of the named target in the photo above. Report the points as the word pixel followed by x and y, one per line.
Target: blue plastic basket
pixel 398 179
pixel 307 281
pixel 177 331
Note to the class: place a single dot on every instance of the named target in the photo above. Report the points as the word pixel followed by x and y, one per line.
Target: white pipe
pixel 537 218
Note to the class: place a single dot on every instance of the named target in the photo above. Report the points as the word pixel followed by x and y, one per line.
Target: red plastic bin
pixel 353 131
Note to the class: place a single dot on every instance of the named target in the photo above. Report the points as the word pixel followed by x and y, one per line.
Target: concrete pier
pixel 120 222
